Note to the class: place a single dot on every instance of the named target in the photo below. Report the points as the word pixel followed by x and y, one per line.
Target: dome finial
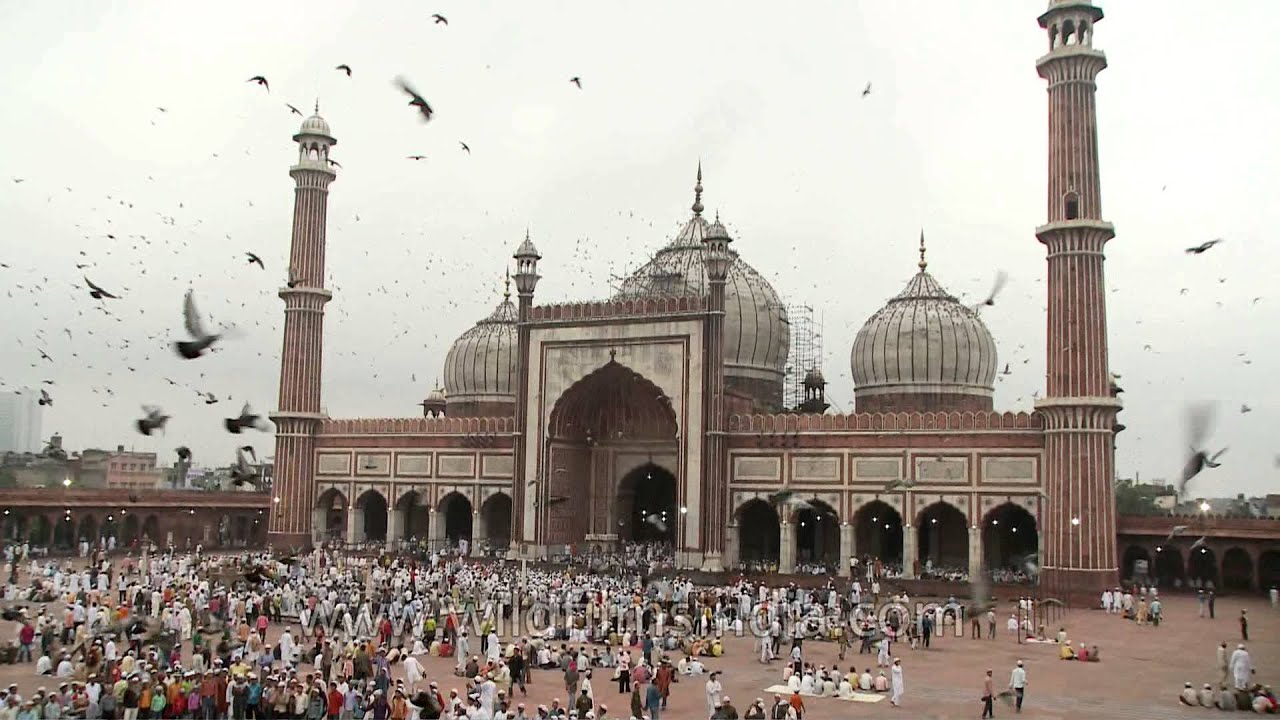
pixel 697 192
pixel 923 263
pixel 506 286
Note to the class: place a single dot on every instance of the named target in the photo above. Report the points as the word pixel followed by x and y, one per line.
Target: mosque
pixel 657 414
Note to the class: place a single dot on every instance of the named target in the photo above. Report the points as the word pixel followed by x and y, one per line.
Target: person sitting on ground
pixel 828 687
pixel 1188 695
pixel 882 683
pixel 1066 652
pixel 1062 636
pixel 1093 654
pixel 846 689
pixel 1263 703
pixel 694 667
pixel 1205 696
pixel 1082 654
pixel 1226 699
pixel 865 682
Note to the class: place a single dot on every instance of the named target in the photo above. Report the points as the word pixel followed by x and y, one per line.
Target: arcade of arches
pixel 411 517
pixel 64 531
pixel 812 533
pixel 611 463
pixel 1189 562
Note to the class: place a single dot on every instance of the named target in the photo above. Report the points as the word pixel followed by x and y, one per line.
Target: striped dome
pixel 924 341
pixel 756 333
pixel 480 367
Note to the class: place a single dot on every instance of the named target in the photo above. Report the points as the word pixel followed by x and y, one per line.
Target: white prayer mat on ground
pixel 865 697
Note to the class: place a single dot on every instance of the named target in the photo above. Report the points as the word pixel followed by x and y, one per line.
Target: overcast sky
pixel 825 192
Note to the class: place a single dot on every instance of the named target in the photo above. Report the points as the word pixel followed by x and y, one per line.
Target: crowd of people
pixel 172 634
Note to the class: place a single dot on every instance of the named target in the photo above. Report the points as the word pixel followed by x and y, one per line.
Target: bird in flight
pixel 344 68
pixel 98 293
pixel 44 398
pixel 260 80
pixel 576 81
pixel 209 398
pixel 293 280
pixel 255 260
pixel 440 19
pixel 293 110
pixel 416 100
pixel 247 419
pixel 1001 279
pixel 242 474
pixel 464 147
pixel 1177 530
pixel 866 90
pixel 202 339
pixel 335 163
pixel 1199 249
pixel 44 355
pixel 154 420
pixel 416 157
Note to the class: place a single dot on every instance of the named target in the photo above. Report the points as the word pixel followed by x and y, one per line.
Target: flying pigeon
pixel 1199 249
pixel 293 110
pixel 416 100
pixel 465 147
pixel 202 339
pixel 576 81
pixel 44 398
pixel 1177 530
pixel 1199 543
pixel 1199 420
pixel 98 293
pixel 415 157
pixel 242 474
pixel 866 90
pixel 247 419
pixel 154 420
pixel 209 398
pixel 255 260
pixel 260 80
pixel 344 68
pixel 293 280
pixel 440 19
pixel 656 521
pixel 1001 278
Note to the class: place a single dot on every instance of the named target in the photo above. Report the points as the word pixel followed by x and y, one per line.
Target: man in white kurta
pixel 713 693
pixel 896 683
pixel 412 672
pixel 1241 668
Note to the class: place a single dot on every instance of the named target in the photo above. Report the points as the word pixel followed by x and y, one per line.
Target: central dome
pixel 756 332
pixel 923 351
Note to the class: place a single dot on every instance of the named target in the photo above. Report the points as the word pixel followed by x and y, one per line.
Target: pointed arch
pixel 1009 535
pixel 456 514
pixel 495 515
pixel 817 530
pixel 758 532
pixel 878 531
pixel 943 537
pixel 371 507
pixel 1237 569
pixel 1169 568
pixel 613 401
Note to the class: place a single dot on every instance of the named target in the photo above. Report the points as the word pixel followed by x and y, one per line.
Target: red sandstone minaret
pixel 1078 546
pixel 299 415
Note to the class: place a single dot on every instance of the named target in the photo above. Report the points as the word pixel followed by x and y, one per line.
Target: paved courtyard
pixel 1142 670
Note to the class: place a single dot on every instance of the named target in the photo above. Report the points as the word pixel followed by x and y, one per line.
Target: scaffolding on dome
pixel 805 353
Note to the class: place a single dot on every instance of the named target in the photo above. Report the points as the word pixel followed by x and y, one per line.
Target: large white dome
pixel 480 368
pixel 924 350
pixel 756 332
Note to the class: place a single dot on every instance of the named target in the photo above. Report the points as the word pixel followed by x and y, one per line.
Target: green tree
pixel 1135 499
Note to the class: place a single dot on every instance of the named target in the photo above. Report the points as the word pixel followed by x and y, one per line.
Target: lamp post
pixel 680 537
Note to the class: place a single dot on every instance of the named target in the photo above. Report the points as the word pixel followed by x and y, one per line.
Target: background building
pixel 20 416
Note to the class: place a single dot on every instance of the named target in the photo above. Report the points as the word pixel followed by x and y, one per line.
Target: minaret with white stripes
pixel 299 414
pixel 1078 543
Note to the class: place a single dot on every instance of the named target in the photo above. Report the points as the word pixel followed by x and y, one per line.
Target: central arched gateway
pixel 612 463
